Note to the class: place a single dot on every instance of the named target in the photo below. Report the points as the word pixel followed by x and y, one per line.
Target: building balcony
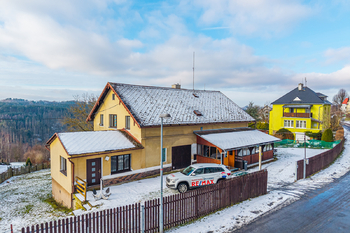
pixel 293 114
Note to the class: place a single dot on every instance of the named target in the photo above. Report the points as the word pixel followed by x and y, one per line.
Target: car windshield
pixel 188 170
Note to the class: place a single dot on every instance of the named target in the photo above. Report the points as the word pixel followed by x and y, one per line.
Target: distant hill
pixel 26 123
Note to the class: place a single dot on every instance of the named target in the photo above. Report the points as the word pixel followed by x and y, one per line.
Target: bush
pixel 316 136
pixel 327 135
pixel 37 154
pixel 284 134
pixel 28 162
pixel 262 125
pixel 339 135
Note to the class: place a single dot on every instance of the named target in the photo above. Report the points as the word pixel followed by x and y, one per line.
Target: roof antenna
pixel 193 72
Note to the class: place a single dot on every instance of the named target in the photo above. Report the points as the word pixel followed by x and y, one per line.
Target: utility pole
pixel 304 156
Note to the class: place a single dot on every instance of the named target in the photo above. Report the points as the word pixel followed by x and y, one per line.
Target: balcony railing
pixel 293 114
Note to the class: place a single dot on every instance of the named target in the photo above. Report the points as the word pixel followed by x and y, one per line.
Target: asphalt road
pixel 322 210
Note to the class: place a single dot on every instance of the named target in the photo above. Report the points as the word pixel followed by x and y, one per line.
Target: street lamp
pixel 162 116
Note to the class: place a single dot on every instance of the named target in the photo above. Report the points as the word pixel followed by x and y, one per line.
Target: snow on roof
pixel 94 141
pixel 146 103
pixel 237 139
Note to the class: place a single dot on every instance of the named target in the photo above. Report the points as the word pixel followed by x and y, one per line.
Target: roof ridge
pixel 159 87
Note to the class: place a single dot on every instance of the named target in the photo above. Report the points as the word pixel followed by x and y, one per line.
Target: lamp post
pixel 162 116
pixel 304 167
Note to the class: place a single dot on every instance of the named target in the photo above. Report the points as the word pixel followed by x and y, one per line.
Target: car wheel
pixel 182 187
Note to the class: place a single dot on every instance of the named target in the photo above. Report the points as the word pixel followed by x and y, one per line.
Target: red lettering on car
pixel 193 183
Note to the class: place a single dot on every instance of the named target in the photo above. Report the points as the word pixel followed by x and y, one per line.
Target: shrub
pixel 28 162
pixel 37 154
pixel 316 136
pixel 262 125
pixel 327 135
pixel 284 134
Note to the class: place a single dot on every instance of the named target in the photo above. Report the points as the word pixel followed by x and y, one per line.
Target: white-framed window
pixel 300 124
pixel 63 166
pixel 101 119
pixel 288 123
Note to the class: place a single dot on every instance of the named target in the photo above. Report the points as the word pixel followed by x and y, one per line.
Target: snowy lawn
pixel 23 200
pixel 3 168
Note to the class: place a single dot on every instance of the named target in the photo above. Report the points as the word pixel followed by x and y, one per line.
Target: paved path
pixel 322 210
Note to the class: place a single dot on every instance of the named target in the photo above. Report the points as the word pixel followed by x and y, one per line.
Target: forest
pixel 25 126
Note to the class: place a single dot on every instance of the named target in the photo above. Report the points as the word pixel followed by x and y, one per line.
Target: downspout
pixel 71 195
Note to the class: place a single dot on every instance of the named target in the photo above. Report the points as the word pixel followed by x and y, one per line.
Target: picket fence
pixel 178 209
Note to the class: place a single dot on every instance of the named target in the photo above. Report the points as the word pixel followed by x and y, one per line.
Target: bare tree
pixel 340 97
pixel 77 114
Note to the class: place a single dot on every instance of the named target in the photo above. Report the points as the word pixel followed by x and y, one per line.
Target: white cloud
pixel 334 80
pixel 263 17
pixel 337 55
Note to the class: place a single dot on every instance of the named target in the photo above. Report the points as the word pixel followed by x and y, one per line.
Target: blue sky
pixel 250 50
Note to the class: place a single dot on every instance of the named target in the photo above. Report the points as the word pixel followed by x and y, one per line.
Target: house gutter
pixel 71 195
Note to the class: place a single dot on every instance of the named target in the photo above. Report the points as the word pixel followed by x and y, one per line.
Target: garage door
pixel 181 156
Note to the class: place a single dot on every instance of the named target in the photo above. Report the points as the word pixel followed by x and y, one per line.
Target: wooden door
pixel 93 171
pixel 181 156
pixel 231 158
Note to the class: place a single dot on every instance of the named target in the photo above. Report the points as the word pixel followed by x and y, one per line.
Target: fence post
pixel 296 170
pixel 142 218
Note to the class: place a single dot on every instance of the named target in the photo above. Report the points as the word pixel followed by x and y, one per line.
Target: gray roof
pixel 236 138
pixel 306 96
pixel 95 141
pixel 146 103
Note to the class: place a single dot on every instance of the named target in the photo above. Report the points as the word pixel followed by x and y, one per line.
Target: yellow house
pixel 125 143
pixel 299 111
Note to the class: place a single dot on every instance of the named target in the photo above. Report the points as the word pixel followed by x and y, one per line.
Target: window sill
pixel 63 172
pixel 121 171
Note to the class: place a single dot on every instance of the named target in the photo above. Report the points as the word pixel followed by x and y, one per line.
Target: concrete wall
pixel 61 195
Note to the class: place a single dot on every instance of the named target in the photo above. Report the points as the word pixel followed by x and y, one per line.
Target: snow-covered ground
pixel 3 168
pixel 282 190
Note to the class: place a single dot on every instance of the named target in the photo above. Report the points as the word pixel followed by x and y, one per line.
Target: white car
pixel 197 175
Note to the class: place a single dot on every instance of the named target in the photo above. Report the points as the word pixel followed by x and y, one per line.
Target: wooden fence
pixel 178 209
pixel 318 162
pixel 21 170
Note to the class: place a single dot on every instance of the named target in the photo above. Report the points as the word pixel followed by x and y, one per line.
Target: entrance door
pixel 93 171
pixel 181 156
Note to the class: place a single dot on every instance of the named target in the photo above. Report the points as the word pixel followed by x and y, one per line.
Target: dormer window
pixel 198 113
